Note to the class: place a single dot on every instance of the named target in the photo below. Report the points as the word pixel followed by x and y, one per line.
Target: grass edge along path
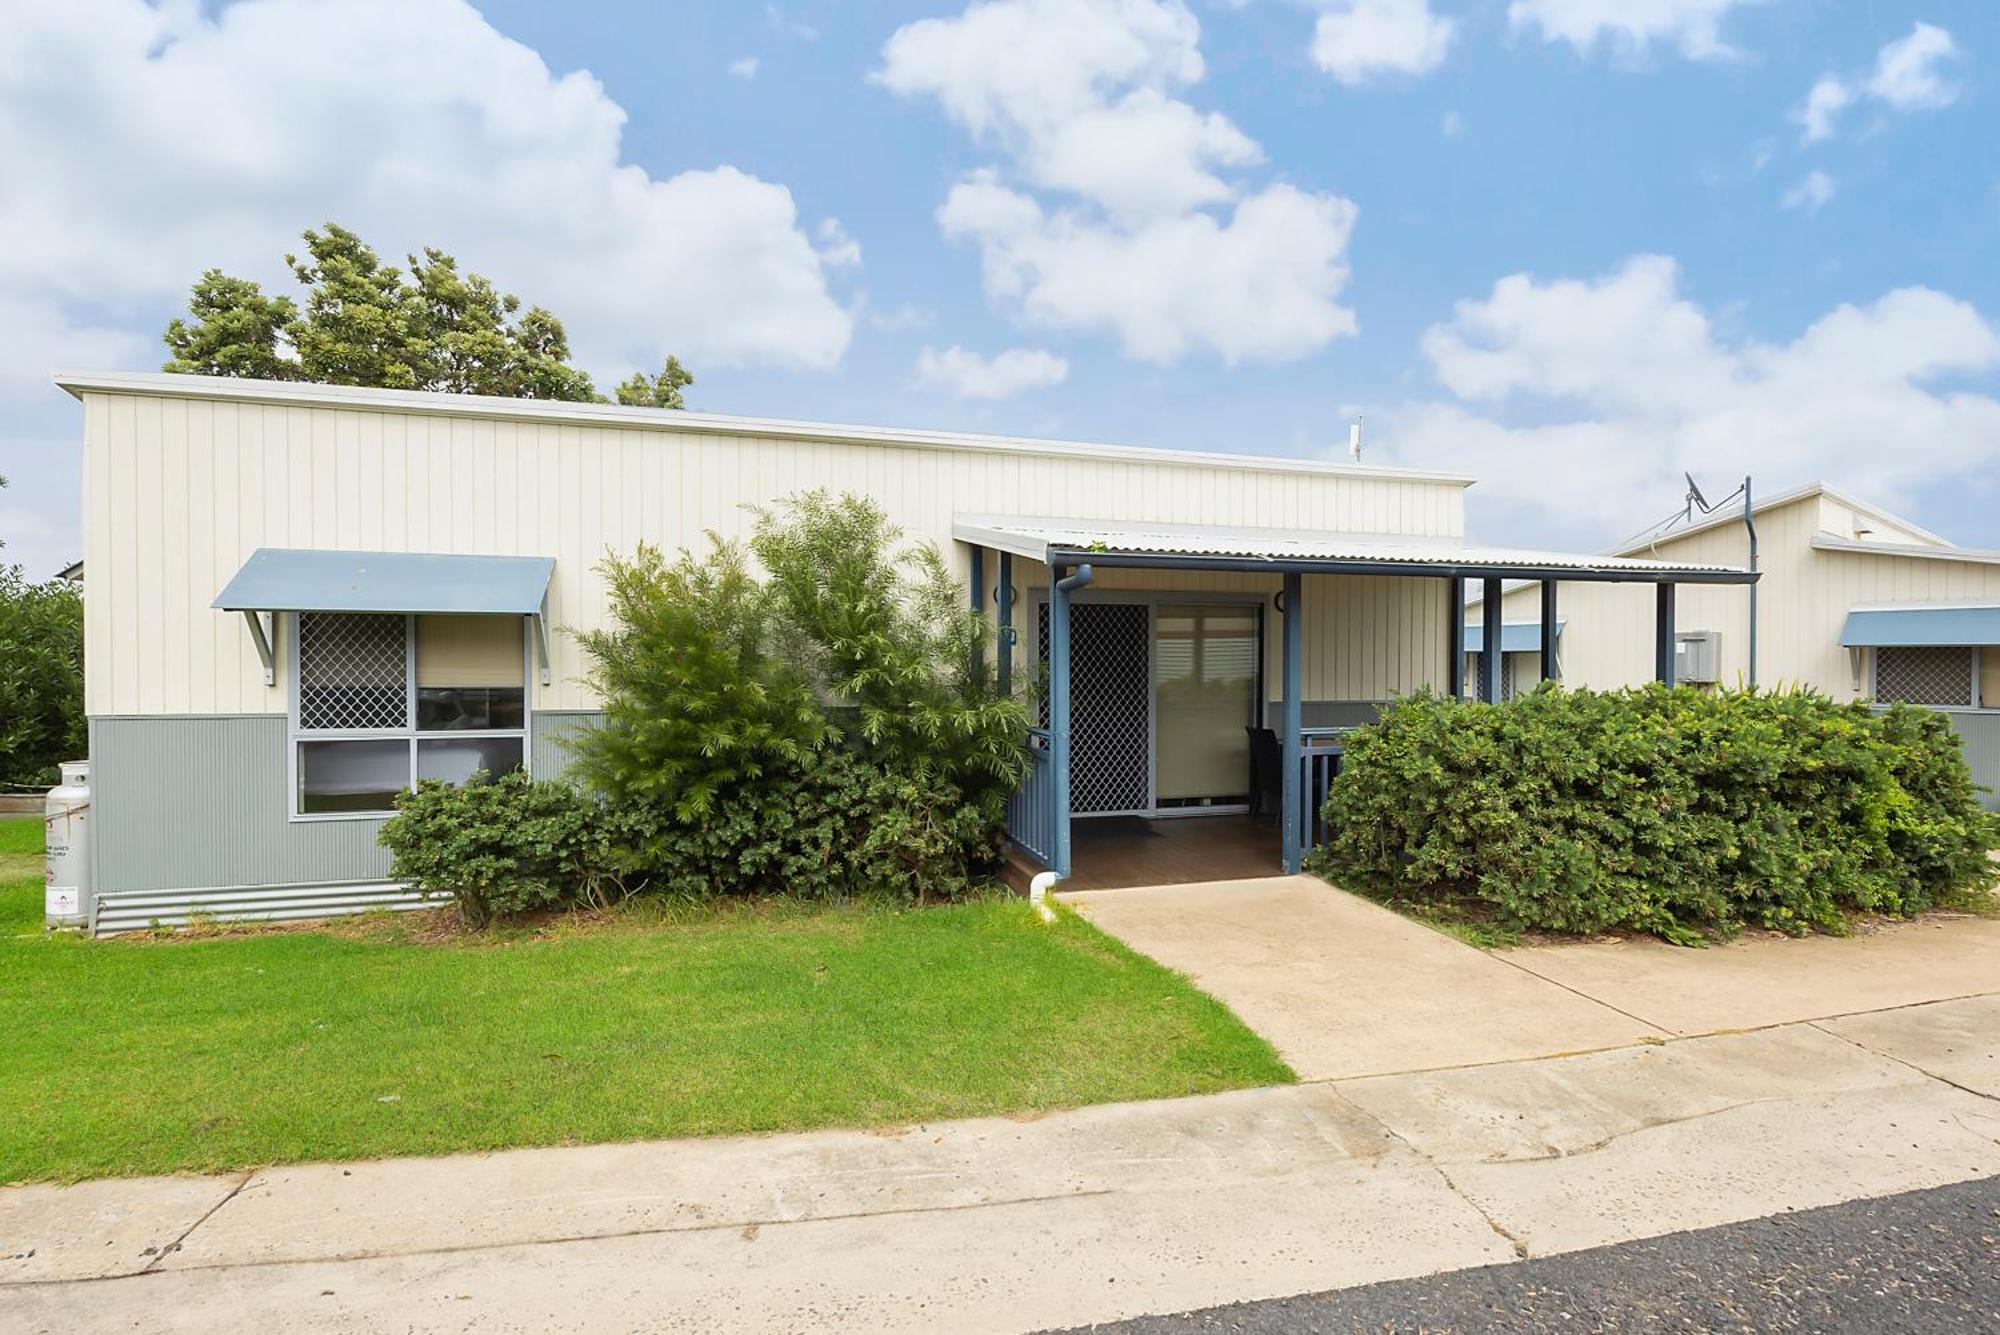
pixel 152 1056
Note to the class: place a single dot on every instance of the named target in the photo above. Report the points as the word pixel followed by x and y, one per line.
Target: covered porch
pixel 1196 683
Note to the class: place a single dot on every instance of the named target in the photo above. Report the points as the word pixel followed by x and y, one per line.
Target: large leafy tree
pixel 41 676
pixel 364 322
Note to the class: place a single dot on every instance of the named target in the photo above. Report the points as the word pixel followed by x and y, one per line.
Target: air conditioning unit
pixel 1697 655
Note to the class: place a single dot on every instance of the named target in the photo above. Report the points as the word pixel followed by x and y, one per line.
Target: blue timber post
pixel 1490 647
pixel 1454 636
pixel 1294 750
pixel 1548 630
pixel 978 602
pixel 1060 585
pixel 1663 634
pixel 1004 641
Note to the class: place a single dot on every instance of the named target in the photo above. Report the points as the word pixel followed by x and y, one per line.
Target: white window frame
pixel 295 735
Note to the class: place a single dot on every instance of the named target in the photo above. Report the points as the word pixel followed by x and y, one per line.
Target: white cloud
pixel 1907 77
pixel 414 122
pixel 1693 27
pixel 1261 286
pixel 836 248
pixel 1581 402
pixel 1906 71
pixel 1078 92
pixel 1824 102
pixel 971 376
pixel 901 319
pixel 1452 125
pixel 1359 40
pixel 1810 194
pixel 744 68
pixel 787 26
pixel 1156 239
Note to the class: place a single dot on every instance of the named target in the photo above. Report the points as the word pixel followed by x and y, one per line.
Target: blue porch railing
pixel 1031 812
pixel 1319 760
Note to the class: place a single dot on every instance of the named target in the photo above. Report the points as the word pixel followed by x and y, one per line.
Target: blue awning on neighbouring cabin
pixel 1921 626
pixel 289 579
pixel 1516 637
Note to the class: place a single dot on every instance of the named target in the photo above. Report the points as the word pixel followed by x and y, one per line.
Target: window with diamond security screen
pixel 1938 676
pixel 353 672
pixel 358 740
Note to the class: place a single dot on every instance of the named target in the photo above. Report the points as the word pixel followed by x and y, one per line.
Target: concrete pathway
pixel 1344 987
pixel 1015 1224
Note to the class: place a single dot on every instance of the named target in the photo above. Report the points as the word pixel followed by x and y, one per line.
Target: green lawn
pixel 151 1056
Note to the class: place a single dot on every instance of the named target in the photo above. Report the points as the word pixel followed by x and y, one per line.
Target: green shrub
pixel 1671 811
pixel 835 827
pixel 886 636
pixel 826 733
pixel 503 846
pixel 41 677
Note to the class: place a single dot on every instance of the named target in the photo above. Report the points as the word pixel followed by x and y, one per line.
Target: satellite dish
pixel 1694 493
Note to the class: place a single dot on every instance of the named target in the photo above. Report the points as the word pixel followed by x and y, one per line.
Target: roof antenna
pixel 1354 441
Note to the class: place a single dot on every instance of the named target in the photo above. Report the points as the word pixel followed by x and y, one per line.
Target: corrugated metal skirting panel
pixel 141 910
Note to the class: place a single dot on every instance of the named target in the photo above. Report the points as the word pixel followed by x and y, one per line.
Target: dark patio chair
pixel 1267 768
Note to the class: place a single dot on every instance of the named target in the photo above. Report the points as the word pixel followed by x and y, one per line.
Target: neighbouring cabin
pixel 1853 601
pixel 303 598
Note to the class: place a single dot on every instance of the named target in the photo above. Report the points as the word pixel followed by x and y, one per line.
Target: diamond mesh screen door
pixel 1110 704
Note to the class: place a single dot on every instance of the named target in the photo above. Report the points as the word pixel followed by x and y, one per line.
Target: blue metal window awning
pixel 292 579
pixel 1921 626
pixel 1516 637
pixel 296 579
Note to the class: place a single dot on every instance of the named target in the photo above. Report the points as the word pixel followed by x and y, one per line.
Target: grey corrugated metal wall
pixel 180 802
pixel 200 801
pixel 1981 735
pixel 553 730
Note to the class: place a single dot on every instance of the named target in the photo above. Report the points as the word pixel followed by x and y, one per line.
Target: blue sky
pixel 1564 248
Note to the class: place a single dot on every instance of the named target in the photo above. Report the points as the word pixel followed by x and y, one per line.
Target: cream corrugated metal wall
pixel 179 490
pixel 1803 601
pixel 1366 637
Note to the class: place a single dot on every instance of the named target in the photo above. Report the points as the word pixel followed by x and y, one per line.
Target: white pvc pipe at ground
pixel 1038 893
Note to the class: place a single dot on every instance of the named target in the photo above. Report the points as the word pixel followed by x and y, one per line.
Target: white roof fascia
pixel 1967 555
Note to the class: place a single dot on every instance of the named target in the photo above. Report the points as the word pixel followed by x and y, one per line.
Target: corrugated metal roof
pixel 1516 637
pixel 291 579
pixel 1115 542
pixel 1922 625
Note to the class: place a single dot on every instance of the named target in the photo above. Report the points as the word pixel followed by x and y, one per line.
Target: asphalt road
pixel 1921 1261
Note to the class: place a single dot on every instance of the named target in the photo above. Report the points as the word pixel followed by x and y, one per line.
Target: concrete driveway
pixel 1346 988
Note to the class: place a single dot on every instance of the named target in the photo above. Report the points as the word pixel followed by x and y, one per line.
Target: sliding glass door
pixel 1205 687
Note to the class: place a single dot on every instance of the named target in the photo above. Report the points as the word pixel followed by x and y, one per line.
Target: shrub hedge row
pixel 1672 811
